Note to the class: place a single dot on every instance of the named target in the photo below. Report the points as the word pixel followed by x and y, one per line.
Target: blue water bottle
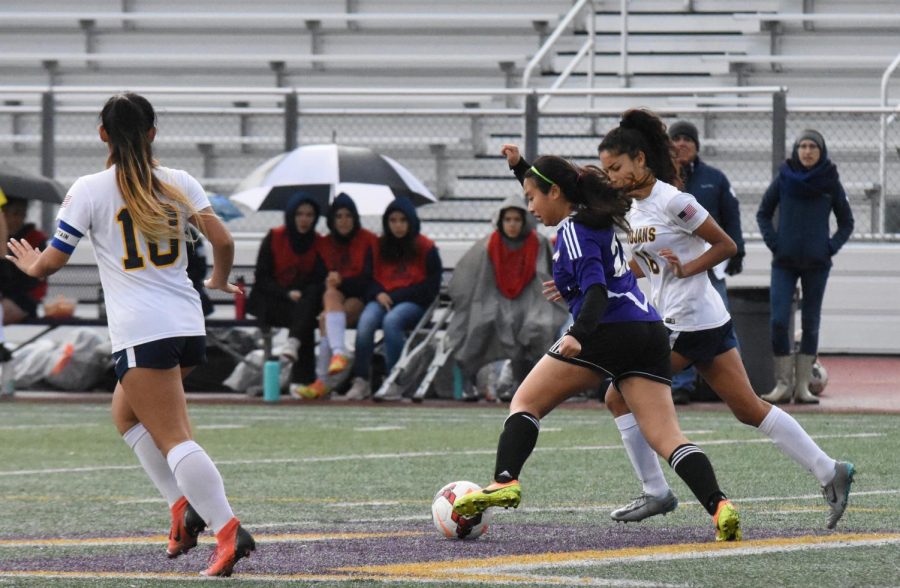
pixel 271 381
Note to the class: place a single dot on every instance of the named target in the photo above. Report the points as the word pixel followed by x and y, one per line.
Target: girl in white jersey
pixel 616 333
pixel 136 213
pixel 674 242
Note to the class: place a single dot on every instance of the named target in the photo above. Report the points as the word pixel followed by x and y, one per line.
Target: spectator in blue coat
pixel 806 192
pixel 713 191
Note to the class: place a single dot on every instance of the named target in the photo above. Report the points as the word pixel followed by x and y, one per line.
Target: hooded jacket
pixel 350 256
pixel 287 259
pixel 713 191
pixel 487 326
pixel 417 280
pixel 805 199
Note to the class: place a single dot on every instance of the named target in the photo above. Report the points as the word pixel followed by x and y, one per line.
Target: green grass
pixel 305 469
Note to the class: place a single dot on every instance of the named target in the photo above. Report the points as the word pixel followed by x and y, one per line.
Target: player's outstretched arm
pixel 222 247
pixel 32 261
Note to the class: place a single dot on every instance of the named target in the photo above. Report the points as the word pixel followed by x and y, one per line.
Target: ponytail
pixel 642 131
pixel 127 119
pixel 597 203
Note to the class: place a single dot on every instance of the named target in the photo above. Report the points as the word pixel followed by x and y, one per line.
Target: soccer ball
pixel 450 524
pixel 819 379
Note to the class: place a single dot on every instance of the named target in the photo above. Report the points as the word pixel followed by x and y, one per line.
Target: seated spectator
pixel 496 289
pixel 407 278
pixel 21 293
pixel 288 285
pixel 347 253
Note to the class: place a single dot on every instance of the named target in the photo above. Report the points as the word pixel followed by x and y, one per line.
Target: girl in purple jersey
pixel 685 242
pixel 616 334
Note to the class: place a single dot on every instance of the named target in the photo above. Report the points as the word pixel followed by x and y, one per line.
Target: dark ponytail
pixel 128 119
pixel 642 131
pixel 597 204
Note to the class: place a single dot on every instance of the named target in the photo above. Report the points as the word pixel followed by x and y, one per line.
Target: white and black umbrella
pixel 324 171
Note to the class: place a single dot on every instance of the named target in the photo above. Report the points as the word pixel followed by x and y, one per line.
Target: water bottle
pixel 240 299
pixel 7 383
pixel 101 304
pixel 272 381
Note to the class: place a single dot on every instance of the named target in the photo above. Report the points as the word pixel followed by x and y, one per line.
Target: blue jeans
pixel 394 322
pixel 685 378
pixel 784 282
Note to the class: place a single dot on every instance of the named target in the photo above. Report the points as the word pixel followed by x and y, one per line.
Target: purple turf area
pixel 326 556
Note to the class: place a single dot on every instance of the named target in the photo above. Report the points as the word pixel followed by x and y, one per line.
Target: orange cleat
pixel 232 544
pixel 338 363
pixel 186 527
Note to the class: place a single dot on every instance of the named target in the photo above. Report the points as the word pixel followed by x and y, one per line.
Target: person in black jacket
pixel 806 192
pixel 289 280
pixel 713 191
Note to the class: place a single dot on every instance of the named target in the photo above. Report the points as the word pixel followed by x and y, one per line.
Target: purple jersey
pixel 584 257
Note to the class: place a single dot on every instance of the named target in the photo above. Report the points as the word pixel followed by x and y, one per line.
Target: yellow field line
pixel 161 539
pixel 474 570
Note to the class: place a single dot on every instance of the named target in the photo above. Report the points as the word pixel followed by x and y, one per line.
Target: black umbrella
pixel 18 183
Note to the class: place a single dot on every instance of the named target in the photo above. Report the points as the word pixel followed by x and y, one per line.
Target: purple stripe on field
pixel 321 557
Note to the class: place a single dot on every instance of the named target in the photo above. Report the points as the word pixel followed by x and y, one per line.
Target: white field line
pixel 220 426
pixel 53 426
pixel 407 455
pixel 379 428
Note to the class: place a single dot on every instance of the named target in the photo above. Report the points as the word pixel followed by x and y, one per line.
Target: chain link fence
pixel 456 153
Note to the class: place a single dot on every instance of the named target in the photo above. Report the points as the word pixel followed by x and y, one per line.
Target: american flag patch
pixel 688 213
pixel 66 201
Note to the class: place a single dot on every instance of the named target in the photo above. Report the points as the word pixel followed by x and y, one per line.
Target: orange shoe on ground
pixel 186 527
pixel 232 544
pixel 338 363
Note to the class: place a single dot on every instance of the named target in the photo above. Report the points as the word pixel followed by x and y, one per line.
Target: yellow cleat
pixel 727 521
pixel 508 494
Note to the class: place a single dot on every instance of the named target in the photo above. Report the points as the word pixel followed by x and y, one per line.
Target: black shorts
pixel 701 346
pixel 622 350
pixel 162 354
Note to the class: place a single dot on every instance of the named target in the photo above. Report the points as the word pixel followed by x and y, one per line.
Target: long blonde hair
pixel 128 119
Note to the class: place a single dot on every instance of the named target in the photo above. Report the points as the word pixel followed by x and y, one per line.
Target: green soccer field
pixel 340 496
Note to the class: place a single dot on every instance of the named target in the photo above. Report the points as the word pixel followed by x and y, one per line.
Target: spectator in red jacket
pixel 288 285
pixel 407 278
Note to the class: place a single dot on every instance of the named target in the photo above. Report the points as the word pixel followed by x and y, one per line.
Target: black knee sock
pixel 519 436
pixel 692 466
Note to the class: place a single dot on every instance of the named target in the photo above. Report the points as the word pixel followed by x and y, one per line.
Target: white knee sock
pixel 201 483
pixel 335 326
pixel 796 443
pixel 323 358
pixel 643 459
pixel 140 441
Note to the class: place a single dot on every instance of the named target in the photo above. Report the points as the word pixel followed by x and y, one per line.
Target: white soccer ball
pixel 818 379
pixel 449 523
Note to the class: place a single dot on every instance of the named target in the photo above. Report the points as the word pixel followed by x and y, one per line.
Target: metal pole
pixel 624 49
pixel 290 121
pixel 592 34
pixel 779 130
pixel 882 149
pixel 532 118
pixel 48 157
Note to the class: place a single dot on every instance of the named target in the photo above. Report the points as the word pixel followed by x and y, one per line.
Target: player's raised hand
pixel 511 153
pixel 23 255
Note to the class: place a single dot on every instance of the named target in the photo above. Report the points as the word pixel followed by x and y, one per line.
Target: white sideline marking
pixel 56 426
pixel 220 426
pixel 409 455
pixel 380 428
pixel 366 504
